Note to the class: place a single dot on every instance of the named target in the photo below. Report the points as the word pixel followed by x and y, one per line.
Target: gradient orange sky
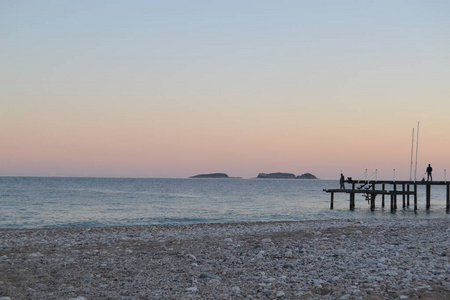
pixel 149 89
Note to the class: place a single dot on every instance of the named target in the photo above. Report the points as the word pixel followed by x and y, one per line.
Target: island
pixel 280 175
pixel 212 175
pixel 307 176
pixel 277 175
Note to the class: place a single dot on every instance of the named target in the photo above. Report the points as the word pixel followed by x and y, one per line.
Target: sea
pixel 50 202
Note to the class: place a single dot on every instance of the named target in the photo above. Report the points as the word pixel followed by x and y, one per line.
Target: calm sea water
pixel 34 202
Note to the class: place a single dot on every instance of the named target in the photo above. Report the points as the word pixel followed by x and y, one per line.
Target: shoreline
pixel 330 259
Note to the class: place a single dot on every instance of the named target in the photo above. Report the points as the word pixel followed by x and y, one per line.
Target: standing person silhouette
pixel 429 170
pixel 341 182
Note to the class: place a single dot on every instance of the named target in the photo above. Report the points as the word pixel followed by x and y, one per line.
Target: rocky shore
pixel 339 259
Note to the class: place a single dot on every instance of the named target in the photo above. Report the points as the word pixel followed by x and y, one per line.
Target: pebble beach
pixel 333 259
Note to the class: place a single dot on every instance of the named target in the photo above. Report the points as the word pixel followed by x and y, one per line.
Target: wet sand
pixel 337 259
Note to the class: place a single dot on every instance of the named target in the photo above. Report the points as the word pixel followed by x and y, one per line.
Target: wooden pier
pixel 393 189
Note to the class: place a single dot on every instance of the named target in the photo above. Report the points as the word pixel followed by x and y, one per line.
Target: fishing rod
pixel 417 151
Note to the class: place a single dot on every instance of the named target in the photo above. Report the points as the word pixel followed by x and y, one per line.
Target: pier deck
pixel 371 188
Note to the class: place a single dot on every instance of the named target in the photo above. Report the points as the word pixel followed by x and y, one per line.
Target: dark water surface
pixel 37 202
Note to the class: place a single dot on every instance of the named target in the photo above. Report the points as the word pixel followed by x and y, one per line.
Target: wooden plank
pixel 368 191
pixel 391 182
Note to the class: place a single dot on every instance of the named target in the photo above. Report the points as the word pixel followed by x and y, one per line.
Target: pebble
pixel 207 275
pixel 334 278
pixel 280 294
pixel 334 259
pixel 228 240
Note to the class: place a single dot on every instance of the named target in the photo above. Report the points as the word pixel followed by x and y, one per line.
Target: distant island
pixel 307 176
pixel 277 175
pixel 280 175
pixel 212 175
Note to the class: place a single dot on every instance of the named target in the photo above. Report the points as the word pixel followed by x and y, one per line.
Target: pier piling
pixel 403 196
pixel 392 203
pixel 415 196
pixel 352 201
pixel 332 200
pixel 447 207
pixel 407 197
pixel 395 196
pixel 372 202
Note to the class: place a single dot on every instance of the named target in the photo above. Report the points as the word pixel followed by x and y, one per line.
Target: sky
pixel 178 88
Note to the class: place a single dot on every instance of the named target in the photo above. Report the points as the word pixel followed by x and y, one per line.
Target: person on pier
pixel 341 182
pixel 429 170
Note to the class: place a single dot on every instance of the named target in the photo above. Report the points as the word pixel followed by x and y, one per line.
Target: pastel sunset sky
pixel 177 88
